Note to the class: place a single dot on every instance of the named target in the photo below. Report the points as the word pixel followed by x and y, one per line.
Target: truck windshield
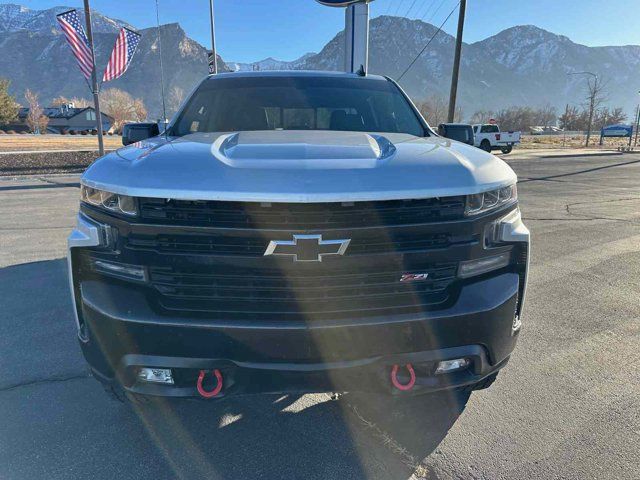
pixel 297 103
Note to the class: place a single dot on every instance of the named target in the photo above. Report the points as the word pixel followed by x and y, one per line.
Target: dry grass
pixel 30 143
pixel 570 141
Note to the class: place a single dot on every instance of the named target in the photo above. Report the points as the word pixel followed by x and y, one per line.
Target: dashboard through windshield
pixel 298 103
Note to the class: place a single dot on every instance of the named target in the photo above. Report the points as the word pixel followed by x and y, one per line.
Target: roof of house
pixel 57 112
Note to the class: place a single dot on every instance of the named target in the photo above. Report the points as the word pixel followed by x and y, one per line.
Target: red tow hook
pixel 213 392
pixel 397 384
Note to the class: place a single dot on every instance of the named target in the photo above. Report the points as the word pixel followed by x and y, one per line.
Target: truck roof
pixel 295 73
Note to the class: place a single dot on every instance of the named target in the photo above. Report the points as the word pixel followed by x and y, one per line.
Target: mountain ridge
pixel 521 65
pixel 269 63
pixel 14 17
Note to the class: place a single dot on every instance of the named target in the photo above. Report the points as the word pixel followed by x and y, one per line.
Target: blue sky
pixel 249 30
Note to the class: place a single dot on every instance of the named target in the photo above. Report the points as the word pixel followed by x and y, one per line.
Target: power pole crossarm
pixel 456 63
pixel 94 78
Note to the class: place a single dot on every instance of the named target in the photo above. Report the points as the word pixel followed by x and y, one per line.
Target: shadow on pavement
pixel 56 422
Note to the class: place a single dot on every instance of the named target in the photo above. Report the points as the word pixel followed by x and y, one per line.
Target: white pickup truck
pixel 489 137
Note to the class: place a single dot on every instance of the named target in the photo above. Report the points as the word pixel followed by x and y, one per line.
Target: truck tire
pixel 506 149
pixel 485 145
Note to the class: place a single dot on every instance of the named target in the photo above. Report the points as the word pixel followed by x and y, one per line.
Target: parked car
pixel 297 232
pixel 460 132
pixel 489 137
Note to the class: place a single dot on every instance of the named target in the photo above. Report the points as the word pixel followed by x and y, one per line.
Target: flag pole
pixel 213 68
pixel 94 78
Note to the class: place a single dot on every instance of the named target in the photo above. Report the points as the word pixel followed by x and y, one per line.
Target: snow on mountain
pixel 15 18
pixel 522 65
pixel 269 64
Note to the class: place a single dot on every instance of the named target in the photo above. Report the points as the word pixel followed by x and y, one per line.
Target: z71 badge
pixel 414 277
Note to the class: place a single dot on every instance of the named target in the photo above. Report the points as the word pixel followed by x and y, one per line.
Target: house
pixel 65 118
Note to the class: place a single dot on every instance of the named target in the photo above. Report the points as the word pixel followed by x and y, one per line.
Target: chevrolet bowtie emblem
pixel 307 248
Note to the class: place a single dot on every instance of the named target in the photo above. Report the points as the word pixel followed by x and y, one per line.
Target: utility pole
pixel 94 78
pixel 213 63
pixel 456 63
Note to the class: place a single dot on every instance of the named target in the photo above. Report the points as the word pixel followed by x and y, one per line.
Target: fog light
pixel 133 272
pixel 479 266
pixel 448 366
pixel 156 375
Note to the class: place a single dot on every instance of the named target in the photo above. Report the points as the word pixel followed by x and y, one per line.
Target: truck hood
pixel 298 166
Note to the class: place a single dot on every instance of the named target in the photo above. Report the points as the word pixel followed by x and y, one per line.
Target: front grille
pixel 206 259
pixel 274 294
pixel 301 215
pixel 252 246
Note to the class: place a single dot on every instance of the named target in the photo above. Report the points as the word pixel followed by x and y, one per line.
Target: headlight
pixel 484 202
pixel 122 204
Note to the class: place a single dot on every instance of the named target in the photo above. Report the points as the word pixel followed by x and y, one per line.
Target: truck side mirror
pixel 136 132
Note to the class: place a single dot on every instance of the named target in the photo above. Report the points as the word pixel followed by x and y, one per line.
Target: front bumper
pixel 119 333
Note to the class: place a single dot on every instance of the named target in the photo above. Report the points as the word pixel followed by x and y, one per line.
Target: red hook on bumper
pixel 213 392
pixel 397 384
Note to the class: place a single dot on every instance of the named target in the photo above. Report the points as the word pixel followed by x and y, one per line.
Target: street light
pixel 592 98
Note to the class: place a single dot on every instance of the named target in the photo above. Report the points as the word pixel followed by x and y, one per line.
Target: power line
pixel 420 7
pixel 388 9
pixel 391 23
pixel 428 9
pixel 398 9
pixel 428 43
pixel 410 8
pixel 436 11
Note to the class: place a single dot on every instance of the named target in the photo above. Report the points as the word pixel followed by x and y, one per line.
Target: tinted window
pixel 490 129
pixel 460 133
pixel 298 103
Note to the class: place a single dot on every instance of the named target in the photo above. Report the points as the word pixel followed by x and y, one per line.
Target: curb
pixel 570 155
pixel 533 155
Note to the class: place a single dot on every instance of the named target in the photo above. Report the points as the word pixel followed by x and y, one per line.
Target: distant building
pixel 65 118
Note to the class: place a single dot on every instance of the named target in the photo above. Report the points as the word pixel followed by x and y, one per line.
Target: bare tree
pixel 176 96
pixel 434 110
pixel 595 98
pixel 81 102
pixel 546 115
pixel 77 102
pixel 60 101
pixel 482 116
pixel 608 116
pixel 36 120
pixel 122 107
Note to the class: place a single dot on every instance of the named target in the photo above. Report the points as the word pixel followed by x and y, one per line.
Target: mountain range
pixel 522 65
pixel 270 64
pixel 34 54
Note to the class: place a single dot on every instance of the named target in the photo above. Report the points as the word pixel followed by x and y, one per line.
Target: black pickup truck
pixel 297 232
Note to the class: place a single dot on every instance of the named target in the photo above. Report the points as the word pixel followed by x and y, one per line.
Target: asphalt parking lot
pixel 567 405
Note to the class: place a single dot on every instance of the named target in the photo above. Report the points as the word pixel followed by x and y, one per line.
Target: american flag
pixel 72 28
pixel 122 53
